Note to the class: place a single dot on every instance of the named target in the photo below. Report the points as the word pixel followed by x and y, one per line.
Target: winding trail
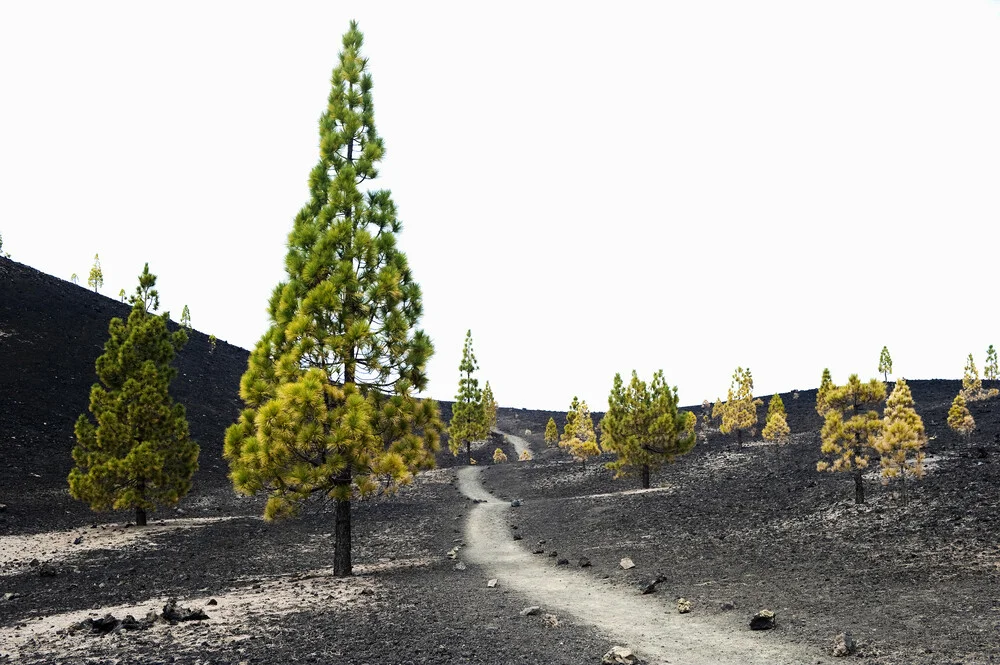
pixel 645 624
pixel 520 445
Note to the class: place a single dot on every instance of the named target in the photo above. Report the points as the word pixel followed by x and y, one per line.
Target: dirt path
pixel 520 445
pixel 647 624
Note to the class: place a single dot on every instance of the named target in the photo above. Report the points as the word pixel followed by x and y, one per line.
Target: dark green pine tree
pixel 138 455
pixel 468 413
pixel 330 389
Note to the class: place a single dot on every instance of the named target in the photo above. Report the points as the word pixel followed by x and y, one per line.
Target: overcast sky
pixel 788 185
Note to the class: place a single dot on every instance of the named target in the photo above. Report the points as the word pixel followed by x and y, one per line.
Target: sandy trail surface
pixel 648 624
pixel 520 445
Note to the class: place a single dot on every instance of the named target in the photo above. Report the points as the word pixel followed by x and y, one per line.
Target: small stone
pixel 47 570
pixel 538 550
pixel 3 507
pixel 727 606
pixel 78 540
pixel 763 620
pixel 367 591
pixel 626 563
pixel 584 562
pixel 516 503
pixel 492 583
pixel 10 596
pixel 531 611
pixel 551 620
pixel 517 536
pixel 212 601
pixel 619 656
pixel 843 645
pixel 459 566
pixel 553 553
pixel 683 605
pixel 172 612
pixel 562 562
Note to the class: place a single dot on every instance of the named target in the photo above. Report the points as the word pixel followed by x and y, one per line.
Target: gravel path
pixel 644 623
pixel 520 445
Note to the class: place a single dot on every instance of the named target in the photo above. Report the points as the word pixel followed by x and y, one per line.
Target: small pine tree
pixel 739 412
pixel 776 405
pixel 776 429
pixel 212 341
pixel 825 386
pixel 121 295
pixel 551 432
pixel 579 437
pixel 499 457
pixel 644 428
pixel 885 363
pixel 848 444
pixel 73 278
pixel 96 278
pixel 468 415
pixel 186 318
pixel 959 418
pixel 972 385
pixel 901 443
pixel 525 456
pixel 138 455
pixel 489 407
pixel 990 370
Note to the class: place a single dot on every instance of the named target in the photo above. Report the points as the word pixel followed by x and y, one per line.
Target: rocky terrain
pixel 732 531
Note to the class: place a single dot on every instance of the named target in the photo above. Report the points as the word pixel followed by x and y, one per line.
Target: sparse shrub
pixel 499 457
pixel 901 444
pixel 848 445
pixel 551 432
pixel 96 278
pixel 643 426
pixel 526 456
pixel 885 363
pixel 468 415
pixel 138 455
pixel 959 418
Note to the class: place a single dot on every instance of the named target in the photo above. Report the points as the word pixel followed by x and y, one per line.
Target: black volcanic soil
pixel 757 527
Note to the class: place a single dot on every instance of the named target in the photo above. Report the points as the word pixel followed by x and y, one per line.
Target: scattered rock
pixel 47 570
pixel 620 656
pixel 33 563
pixel 459 566
pixel 727 606
pixel 173 613
pixel 683 605
pixel 11 596
pixel 551 620
pixel 538 550
pixel 763 620
pixel 531 611
pixel 108 623
pixel 516 503
pixel 553 553
pixel 650 586
pixel 492 583
pixel 517 536
pixel 843 645
pixel 562 562
pixel 453 553
pixel 3 507
pixel 367 591
pixel 626 564
pixel 78 540
pixel 584 562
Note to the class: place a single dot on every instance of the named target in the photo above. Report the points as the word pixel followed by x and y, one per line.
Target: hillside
pixel 732 530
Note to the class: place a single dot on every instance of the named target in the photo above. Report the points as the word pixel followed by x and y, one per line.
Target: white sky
pixel 787 185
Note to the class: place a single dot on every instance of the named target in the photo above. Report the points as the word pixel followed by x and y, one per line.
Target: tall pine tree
pixel 643 426
pixel 95 279
pixel 885 363
pixel 489 406
pixel 330 389
pixel 739 412
pixel 551 432
pixel 138 454
pixel 848 444
pixel 468 413
pixel 900 446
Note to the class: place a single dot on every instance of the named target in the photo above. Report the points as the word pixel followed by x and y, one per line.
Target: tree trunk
pixel 739 438
pixel 859 488
pixel 468 450
pixel 902 476
pixel 342 542
pixel 645 476
pixel 140 517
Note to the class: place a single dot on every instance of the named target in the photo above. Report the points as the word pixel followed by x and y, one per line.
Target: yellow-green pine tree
pixel 96 278
pixel 848 444
pixel 739 413
pixel 643 426
pixel 186 318
pixel 990 370
pixel 885 363
pixel 330 389
pixel 499 457
pixel 825 385
pixel 776 405
pixel 776 429
pixel 972 385
pixel 579 438
pixel 551 432
pixel 468 415
pixel 138 454
pixel 900 446
pixel 959 418
pixel 489 407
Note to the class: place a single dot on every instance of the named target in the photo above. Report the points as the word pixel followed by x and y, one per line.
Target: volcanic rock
pixel 763 620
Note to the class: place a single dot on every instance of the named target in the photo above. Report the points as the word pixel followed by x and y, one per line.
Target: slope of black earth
pixel 759 527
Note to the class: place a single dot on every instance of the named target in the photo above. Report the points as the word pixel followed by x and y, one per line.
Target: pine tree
pixel 739 412
pixel 579 438
pixel 972 385
pixel 959 418
pixel 489 407
pixel 121 295
pixel 901 443
pixel 138 455
pixel 468 413
pixel 186 318
pixel 212 341
pixel 776 428
pixel 499 457
pixel 551 432
pixel 848 445
pixel 825 386
pixel 776 405
pixel 643 426
pixel 330 389
pixel 96 278
pixel 885 363
pixel 73 278
pixel 990 370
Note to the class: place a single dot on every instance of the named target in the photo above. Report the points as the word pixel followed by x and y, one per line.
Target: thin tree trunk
pixel 902 475
pixel 342 531
pixel 859 488
pixel 645 476
pixel 739 438
pixel 468 450
pixel 140 517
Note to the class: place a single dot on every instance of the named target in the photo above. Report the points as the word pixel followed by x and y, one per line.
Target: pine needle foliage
pixel 991 372
pixel 885 363
pixel 960 420
pixel 901 443
pixel 526 456
pixel 551 432
pixel 489 407
pixel 972 385
pixel 848 444
pixel 468 413
pixel 136 453
pixel 579 438
pixel 186 318
pixel 644 428
pixel 96 278
pixel 825 386
pixel 331 411
pixel 776 405
pixel 776 429
pixel 499 456
pixel 739 411
pixel 73 278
